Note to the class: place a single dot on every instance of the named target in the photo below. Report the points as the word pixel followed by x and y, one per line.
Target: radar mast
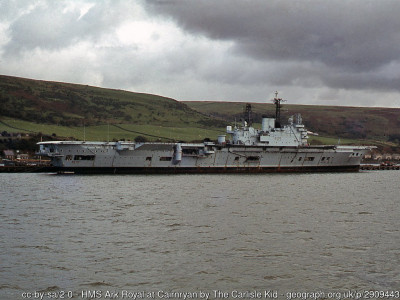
pixel 248 114
pixel 277 101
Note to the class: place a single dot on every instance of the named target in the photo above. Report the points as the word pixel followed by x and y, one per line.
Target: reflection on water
pixel 301 232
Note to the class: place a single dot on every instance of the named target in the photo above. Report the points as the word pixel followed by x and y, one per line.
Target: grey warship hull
pixel 178 158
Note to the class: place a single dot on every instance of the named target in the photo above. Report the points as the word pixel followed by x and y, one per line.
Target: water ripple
pixel 287 232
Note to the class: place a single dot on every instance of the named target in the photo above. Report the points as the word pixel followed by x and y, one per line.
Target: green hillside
pixel 63 110
pixel 69 110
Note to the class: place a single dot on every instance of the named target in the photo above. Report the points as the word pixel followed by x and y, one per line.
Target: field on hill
pixel 110 132
pixel 67 109
pixel 71 104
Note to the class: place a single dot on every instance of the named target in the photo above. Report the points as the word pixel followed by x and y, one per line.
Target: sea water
pixel 199 236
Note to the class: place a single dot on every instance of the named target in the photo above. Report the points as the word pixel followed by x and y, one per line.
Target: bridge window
pixel 311 158
pixel 148 158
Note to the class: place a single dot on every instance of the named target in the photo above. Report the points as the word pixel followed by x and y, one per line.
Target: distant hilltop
pixel 70 104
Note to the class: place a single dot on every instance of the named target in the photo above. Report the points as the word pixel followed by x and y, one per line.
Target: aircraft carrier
pixel 273 148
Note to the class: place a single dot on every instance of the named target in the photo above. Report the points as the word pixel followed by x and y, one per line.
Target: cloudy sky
pixel 313 52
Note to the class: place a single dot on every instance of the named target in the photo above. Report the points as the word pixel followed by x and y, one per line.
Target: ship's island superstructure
pixel 273 148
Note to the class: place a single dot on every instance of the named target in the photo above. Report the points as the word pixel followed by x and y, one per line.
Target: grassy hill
pixel 379 126
pixel 78 111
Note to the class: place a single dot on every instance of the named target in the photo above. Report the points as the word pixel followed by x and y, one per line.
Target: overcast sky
pixel 313 52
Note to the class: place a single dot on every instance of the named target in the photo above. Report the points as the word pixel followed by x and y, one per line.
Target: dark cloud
pixel 350 37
